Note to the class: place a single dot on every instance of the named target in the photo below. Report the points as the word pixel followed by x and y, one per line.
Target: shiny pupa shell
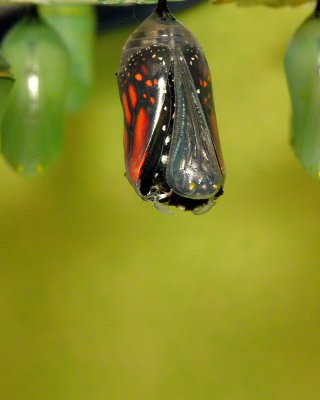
pixel 172 150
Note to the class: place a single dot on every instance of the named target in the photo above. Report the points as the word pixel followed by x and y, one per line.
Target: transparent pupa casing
pixel 302 65
pixel 172 149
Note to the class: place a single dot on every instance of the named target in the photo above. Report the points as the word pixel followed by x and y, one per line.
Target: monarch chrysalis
pixel 75 24
pixel 172 150
pixel 302 65
pixel 6 82
pixel 33 123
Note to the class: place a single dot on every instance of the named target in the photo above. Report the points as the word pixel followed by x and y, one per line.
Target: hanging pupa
pixel 302 66
pixel 6 82
pixel 172 150
pixel 33 123
pixel 75 24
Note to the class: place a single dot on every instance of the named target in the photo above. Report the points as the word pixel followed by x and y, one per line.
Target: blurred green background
pixel 104 298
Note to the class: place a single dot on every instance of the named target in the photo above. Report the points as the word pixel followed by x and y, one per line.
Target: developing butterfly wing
pixel 201 77
pixel 144 91
pixel 194 170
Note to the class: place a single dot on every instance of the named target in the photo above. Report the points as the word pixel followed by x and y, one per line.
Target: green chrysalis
pixel 6 82
pixel 302 65
pixel 75 23
pixel 33 123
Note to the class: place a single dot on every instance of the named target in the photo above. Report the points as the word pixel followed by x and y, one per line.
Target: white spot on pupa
pixel 173 115
pixel 198 91
pixel 181 58
pixel 154 56
pixel 167 140
pixel 164 159
pixel 160 58
pixel 164 127
pixel 165 108
pixel 156 174
pixel 163 63
pixel 190 62
pixel 196 56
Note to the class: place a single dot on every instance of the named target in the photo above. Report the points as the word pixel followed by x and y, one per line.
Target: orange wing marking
pixel 144 69
pixel 133 95
pixel 138 154
pixel 138 76
pixel 126 109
